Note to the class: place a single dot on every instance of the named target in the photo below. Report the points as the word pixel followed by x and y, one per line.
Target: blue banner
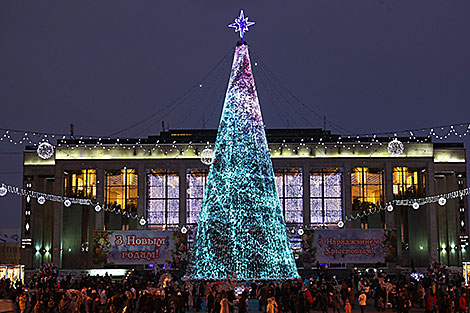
pixel 132 247
pixel 351 245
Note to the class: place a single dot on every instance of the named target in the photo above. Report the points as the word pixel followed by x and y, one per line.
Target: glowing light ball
pixel 395 147
pixel 45 150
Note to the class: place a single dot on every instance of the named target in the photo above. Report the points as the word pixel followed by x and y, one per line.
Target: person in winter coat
pixel 272 306
pixel 347 307
pixel 336 302
pixel 324 301
pixel 462 303
pixel 224 304
pixel 362 300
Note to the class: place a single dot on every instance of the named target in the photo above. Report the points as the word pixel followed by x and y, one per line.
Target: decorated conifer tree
pixel 241 229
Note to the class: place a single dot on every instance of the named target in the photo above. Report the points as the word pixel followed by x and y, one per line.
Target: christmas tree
pixel 241 230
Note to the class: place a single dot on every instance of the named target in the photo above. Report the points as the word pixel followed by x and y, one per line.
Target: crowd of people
pixel 48 292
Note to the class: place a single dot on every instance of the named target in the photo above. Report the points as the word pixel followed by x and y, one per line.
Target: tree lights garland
pixel 41 198
pixel 241 230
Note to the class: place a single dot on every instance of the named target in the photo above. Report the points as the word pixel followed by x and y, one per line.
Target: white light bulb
pixel 97 208
pixel 41 200
pixel 142 221
pixel 442 201
pixel 389 207
pixel 340 224
pixel 67 203
pixel 415 205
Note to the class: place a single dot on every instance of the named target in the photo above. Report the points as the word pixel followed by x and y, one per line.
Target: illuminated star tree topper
pixel 241 24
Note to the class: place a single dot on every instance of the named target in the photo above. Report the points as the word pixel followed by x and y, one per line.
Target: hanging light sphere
pixel 415 205
pixel 389 207
pixel 395 147
pixel 442 201
pixel 41 200
pixel 67 203
pixel 45 150
pixel 97 208
pixel 142 221
pixel 300 231
pixel 207 156
pixel 184 230
pixel 340 224
pixel 3 191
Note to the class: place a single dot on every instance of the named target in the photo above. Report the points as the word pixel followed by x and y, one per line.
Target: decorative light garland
pixel 415 203
pixel 67 201
pixel 343 141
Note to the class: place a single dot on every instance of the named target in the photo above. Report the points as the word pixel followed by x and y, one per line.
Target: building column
pixel 347 191
pixel 306 192
pixel 182 200
pixel 431 215
pixel 100 185
pixel 141 195
pixel 58 216
pixel 389 216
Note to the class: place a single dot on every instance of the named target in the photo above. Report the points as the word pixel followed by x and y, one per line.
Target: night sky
pixel 369 66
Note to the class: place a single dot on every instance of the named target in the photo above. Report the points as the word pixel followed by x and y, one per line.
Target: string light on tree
pixel 97 208
pixel 340 224
pixel 395 147
pixel 45 150
pixel 207 156
pixel 389 207
pixel 415 206
pixel 241 230
pixel 184 230
pixel 67 203
pixel 142 221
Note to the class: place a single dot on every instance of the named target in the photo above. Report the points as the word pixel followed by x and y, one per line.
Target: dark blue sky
pixel 370 66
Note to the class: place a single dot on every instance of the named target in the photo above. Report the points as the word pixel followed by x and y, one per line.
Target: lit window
pixel 195 182
pixel 121 194
pixel 163 197
pixel 367 191
pixel 326 198
pixel 408 182
pixel 290 189
pixel 80 184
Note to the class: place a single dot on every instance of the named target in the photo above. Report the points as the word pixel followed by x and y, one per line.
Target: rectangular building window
pixel 195 183
pixel 80 184
pixel 163 192
pixel 289 185
pixel 367 191
pixel 408 182
pixel 326 197
pixel 121 193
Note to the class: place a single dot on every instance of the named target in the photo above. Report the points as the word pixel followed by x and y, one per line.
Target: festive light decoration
pixel 241 230
pixel 142 221
pixel 389 207
pixel 45 150
pixel 3 191
pixel 340 224
pixel 41 200
pixel 67 201
pixel 241 24
pixel 300 232
pixel 415 206
pixel 184 230
pixel 395 147
pixel 207 156
pixel 442 201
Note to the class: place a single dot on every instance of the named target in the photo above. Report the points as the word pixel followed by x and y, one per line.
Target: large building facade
pixel 321 179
